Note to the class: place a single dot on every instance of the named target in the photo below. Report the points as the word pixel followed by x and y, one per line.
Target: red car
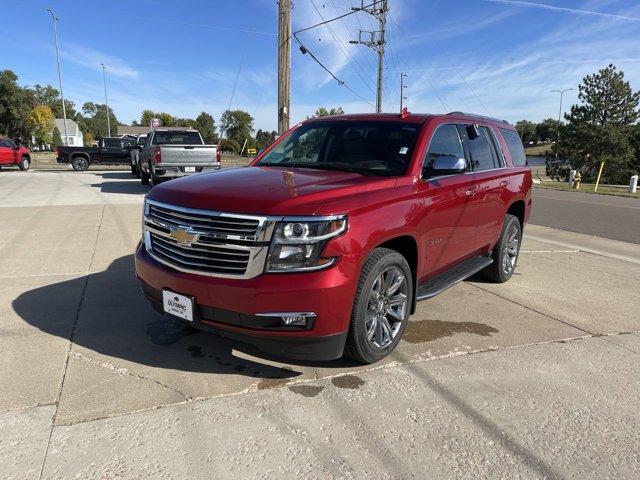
pixel 324 244
pixel 12 154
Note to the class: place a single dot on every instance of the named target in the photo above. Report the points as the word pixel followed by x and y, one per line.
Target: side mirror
pixel 446 165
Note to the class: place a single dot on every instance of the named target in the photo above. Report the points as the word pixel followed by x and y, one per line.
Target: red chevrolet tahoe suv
pixel 324 244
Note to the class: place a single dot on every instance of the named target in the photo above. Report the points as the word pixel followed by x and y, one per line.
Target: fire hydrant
pixel 577 178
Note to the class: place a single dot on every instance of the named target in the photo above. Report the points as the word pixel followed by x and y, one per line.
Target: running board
pixel 459 272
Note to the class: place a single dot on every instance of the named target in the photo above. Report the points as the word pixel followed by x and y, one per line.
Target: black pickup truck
pixel 110 151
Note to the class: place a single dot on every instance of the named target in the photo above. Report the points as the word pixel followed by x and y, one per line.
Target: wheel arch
pixel 517 209
pixel 407 246
pixel 73 155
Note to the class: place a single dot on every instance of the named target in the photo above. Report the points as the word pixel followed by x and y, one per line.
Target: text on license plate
pixel 177 305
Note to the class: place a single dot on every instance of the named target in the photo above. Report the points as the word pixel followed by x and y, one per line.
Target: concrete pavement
pixel 534 378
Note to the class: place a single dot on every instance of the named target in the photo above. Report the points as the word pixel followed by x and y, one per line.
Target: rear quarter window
pixel 514 145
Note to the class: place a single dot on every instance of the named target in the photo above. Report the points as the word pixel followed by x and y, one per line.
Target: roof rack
pixel 483 117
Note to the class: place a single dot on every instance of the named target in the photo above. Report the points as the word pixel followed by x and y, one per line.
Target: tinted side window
pixel 514 145
pixel 444 143
pixel 112 143
pixel 481 151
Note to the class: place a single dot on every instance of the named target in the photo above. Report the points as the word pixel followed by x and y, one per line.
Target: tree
pixel 16 103
pixel 50 96
pixel 237 125
pixel 56 138
pixel 205 124
pixel 546 130
pixel 527 131
pixel 42 125
pixel 323 112
pixel 94 119
pixel 229 145
pixel 601 127
pixel 88 139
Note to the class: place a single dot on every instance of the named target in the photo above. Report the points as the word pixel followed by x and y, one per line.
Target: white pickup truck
pixel 175 153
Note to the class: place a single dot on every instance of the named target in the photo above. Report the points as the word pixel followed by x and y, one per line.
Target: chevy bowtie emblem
pixel 182 235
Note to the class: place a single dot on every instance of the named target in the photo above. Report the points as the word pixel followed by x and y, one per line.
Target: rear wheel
pixel 381 307
pixel 80 164
pixel 505 253
pixel 144 177
pixel 24 164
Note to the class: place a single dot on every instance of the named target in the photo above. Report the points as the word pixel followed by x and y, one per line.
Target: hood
pixel 266 190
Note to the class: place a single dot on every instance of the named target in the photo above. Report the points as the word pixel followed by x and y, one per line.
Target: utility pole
pixel 402 87
pixel 284 64
pixel 64 110
pixel 561 92
pixel 106 103
pixel 375 40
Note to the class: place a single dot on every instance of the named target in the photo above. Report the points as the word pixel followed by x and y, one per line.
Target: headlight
pixel 146 237
pixel 298 242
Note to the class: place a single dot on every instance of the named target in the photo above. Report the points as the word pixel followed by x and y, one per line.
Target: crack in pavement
pixel 71 338
pixel 418 358
pixel 569 324
pixel 124 372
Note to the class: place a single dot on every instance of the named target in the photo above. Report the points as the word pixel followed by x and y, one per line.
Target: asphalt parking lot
pixel 535 378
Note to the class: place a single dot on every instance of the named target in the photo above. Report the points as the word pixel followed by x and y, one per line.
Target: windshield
pixel 142 140
pixel 367 147
pixel 177 138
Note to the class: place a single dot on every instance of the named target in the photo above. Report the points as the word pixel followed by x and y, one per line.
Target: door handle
pixel 504 183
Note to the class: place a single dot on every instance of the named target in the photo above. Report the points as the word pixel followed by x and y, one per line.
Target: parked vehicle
pixel 11 153
pixel 109 151
pixel 134 153
pixel 324 244
pixel 175 153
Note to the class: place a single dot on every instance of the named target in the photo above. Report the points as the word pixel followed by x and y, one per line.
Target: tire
pixel 144 177
pixel 376 327
pixel 24 164
pixel 505 254
pixel 80 163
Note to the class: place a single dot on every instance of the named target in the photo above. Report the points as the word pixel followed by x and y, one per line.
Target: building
pixel 136 130
pixel 76 138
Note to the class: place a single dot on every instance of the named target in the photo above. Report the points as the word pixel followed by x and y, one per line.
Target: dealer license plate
pixel 189 169
pixel 177 305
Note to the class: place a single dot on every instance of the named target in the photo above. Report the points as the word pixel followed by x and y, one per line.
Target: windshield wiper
pixel 325 166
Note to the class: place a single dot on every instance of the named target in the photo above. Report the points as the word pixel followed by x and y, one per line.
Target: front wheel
pixel 381 307
pixel 24 164
pixel 80 164
pixel 505 254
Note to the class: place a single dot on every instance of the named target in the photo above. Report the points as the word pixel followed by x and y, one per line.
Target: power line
pixel 343 50
pixel 305 50
pixel 332 19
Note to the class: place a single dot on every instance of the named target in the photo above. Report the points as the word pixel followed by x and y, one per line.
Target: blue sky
pixel 496 57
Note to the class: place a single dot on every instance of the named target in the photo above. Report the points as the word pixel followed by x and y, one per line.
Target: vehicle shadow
pixel 120 182
pixel 111 316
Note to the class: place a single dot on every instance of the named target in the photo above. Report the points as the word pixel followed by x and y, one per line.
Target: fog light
pixel 292 319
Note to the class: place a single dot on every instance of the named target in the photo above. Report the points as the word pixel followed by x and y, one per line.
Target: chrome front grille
pixel 207 259
pixel 207 242
pixel 215 224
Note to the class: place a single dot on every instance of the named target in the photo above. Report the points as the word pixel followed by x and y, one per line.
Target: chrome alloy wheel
pixel 387 307
pixel 511 247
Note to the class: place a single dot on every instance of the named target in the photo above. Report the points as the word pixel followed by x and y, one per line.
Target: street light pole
pixel 561 92
pixel 402 87
pixel 106 103
pixel 64 110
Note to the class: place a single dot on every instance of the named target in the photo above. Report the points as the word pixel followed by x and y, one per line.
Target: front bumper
pixel 232 307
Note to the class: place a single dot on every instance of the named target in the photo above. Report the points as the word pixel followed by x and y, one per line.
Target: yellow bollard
pixel 598 180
